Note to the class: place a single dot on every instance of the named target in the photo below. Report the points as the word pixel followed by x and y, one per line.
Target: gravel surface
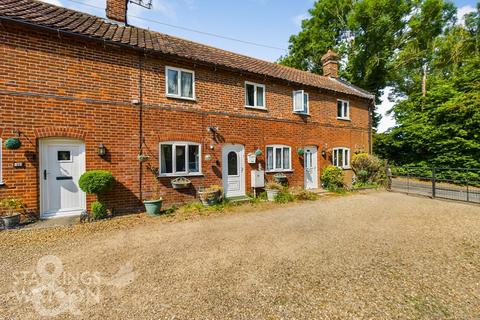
pixel 366 256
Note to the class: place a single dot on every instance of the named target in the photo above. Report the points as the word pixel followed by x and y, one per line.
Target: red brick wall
pixel 74 88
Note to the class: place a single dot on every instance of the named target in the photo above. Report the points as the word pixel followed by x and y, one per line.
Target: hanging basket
pixel 180 183
pixel 143 157
pixel 258 152
pixel 13 144
pixel 300 152
pixel 280 177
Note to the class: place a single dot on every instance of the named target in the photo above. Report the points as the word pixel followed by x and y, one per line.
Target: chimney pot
pixel 117 10
pixel 330 64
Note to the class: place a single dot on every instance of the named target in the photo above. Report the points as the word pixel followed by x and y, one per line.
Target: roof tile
pixel 61 19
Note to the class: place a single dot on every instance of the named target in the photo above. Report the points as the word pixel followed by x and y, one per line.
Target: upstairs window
pixel 180 158
pixel 341 158
pixel 300 101
pixel 180 83
pixel 254 95
pixel 278 158
pixel 343 109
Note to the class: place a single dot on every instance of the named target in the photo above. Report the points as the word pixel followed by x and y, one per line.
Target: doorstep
pixel 238 199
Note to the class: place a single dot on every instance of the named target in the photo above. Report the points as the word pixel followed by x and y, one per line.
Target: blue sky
pixel 268 22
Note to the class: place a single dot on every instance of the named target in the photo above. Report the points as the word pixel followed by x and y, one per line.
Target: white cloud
pixel 461 12
pixel 297 20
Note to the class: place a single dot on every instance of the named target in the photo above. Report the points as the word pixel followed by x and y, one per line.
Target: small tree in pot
pixel 97 182
pixel 11 217
pixel 272 188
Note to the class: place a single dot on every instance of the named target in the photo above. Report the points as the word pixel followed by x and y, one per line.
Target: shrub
pixel 98 210
pixel 273 186
pixel 96 181
pixel 366 167
pixel 332 178
pixel 306 195
pixel 284 196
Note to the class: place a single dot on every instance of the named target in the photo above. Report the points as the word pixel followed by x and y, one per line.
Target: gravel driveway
pixel 367 256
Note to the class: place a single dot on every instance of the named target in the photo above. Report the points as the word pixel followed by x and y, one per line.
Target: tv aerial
pixel 143 3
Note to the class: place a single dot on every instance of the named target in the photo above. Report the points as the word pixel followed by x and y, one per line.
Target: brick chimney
pixel 117 10
pixel 330 64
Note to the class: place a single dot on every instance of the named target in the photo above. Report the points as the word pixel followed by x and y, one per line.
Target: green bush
pixel 366 167
pixel 98 210
pixel 332 178
pixel 96 181
pixel 306 195
pixel 284 196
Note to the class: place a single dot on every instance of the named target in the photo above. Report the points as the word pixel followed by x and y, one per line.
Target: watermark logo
pixel 53 291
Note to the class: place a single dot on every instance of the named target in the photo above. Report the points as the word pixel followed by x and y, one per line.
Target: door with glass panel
pixel 310 167
pixel 233 171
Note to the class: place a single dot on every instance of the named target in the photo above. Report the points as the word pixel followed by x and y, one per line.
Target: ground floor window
pixel 341 157
pixel 278 158
pixel 180 158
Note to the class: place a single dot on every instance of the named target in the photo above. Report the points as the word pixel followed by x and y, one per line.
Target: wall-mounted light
pixel 324 151
pixel 212 129
pixel 102 151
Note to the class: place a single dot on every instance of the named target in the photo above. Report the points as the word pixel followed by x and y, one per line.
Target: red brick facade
pixel 59 86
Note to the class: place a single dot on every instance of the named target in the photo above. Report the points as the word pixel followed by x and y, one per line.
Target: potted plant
pixel 12 217
pixel 153 204
pixel 300 152
pixel 180 183
pixel 272 188
pixel 211 195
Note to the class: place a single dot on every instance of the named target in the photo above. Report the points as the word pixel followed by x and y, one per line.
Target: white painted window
pixel 180 83
pixel 279 158
pixel 254 95
pixel 341 158
pixel 179 158
pixel 1 164
pixel 343 109
pixel 300 102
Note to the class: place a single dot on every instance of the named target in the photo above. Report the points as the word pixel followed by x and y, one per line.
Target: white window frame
pixel 278 146
pixel 179 83
pixel 1 162
pixel 346 160
pixel 343 115
pixel 174 172
pixel 255 85
pixel 305 109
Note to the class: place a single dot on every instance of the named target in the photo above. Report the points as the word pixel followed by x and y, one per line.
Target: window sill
pixel 2 184
pixel 181 98
pixel 344 119
pixel 279 171
pixel 257 108
pixel 175 175
pixel 302 113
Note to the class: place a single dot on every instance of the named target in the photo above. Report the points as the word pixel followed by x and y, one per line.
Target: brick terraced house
pixel 83 92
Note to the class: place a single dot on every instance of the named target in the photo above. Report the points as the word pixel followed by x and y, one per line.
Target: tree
pixel 364 33
pixel 428 19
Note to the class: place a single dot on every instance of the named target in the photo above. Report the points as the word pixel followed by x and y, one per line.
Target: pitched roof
pixel 60 19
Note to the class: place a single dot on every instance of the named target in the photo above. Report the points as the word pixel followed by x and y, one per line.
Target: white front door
pixel 310 165
pixel 233 171
pixel 62 162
